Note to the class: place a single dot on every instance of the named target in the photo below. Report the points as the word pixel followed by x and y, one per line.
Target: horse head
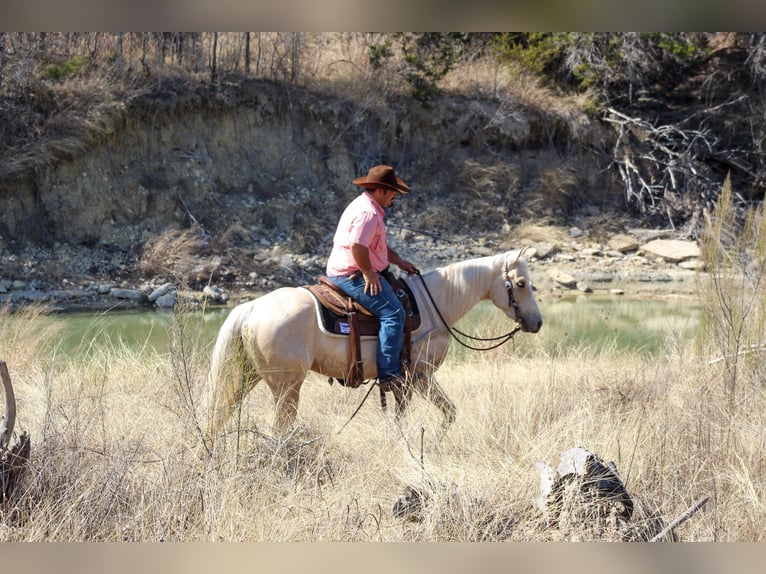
pixel 511 291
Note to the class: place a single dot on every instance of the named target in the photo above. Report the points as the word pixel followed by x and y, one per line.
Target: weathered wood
pixel 15 460
pixel 688 513
pixel 9 420
pixel 597 484
pixel 659 164
pixel 12 467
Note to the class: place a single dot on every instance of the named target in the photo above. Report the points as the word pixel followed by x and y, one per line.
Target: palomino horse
pixel 278 338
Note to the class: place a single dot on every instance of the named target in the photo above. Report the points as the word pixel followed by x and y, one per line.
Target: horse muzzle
pixel 530 326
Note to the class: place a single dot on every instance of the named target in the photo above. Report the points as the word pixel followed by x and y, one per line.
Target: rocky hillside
pixel 241 187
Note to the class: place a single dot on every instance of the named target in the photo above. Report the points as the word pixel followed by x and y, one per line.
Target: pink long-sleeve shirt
pixel 361 222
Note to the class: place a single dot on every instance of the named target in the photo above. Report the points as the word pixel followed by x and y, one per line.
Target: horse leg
pixel 403 395
pixel 427 386
pixel 286 395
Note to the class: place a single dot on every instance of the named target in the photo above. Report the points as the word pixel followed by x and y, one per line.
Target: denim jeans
pixel 387 307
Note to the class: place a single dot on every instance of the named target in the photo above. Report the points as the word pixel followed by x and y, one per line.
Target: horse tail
pixel 232 374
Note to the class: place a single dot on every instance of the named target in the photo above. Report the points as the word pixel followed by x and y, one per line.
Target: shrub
pixel 66 69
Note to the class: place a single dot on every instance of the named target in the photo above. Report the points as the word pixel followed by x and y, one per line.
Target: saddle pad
pixel 334 314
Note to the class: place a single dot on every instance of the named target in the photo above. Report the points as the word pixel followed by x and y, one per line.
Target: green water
pixel 148 331
pixel 613 324
pixel 597 323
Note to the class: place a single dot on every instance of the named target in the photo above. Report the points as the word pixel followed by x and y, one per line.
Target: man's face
pixel 385 197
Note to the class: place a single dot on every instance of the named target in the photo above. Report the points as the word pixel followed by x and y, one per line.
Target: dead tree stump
pixel 15 460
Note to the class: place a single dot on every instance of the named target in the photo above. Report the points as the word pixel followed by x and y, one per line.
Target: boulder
pixel 215 294
pixel 564 279
pixel 623 243
pixel 129 294
pixel 166 301
pixel 544 248
pixel 160 291
pixel 673 250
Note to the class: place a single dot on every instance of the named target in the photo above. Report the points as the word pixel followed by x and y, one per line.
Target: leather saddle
pixel 342 315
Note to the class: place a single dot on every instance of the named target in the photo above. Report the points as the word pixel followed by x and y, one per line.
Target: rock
pixel 674 250
pixel 596 276
pixel 623 243
pixel 650 234
pixel 576 232
pixel 694 264
pixel 287 264
pixel 544 249
pixel 216 294
pixel 617 292
pixel 130 294
pixel 159 292
pixel 564 279
pixel 166 301
pixel 584 287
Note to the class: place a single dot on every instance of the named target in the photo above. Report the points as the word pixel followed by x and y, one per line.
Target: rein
pixel 454 332
pixel 502 339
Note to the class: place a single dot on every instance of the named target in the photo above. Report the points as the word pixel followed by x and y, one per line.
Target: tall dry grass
pixel 116 448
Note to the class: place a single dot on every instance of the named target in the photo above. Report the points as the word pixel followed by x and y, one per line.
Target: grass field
pixel 116 443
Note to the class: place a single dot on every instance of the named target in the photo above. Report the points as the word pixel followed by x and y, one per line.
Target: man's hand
pixel 401 263
pixel 407 267
pixel 371 282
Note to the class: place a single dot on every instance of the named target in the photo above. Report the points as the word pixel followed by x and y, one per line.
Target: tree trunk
pixel 247 52
pixel 215 51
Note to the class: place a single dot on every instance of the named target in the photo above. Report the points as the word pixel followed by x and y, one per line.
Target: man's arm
pixel 361 254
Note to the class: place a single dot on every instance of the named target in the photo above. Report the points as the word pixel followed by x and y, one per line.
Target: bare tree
pixel 214 58
pixel 2 58
pixel 247 52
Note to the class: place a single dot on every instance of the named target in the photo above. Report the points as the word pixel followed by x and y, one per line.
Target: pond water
pixel 614 324
pixel 611 324
pixel 148 330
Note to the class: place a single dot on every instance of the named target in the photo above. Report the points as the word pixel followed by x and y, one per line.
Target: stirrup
pixel 392 383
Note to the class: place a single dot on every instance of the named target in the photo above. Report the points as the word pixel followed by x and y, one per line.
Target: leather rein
pixel 497 341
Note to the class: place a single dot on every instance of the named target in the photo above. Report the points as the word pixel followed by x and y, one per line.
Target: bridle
pixel 509 287
pixel 497 341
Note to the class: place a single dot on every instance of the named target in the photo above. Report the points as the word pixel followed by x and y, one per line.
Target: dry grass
pixel 182 255
pixel 72 112
pixel 115 446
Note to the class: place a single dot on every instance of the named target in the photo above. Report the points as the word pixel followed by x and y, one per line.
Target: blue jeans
pixel 387 307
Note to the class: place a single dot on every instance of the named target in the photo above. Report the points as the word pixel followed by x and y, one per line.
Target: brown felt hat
pixel 382 176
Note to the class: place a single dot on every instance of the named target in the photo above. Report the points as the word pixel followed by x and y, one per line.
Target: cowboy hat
pixel 382 176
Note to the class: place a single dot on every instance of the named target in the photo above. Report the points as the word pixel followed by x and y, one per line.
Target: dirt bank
pixel 563 262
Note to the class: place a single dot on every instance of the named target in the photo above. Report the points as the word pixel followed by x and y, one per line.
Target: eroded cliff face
pixel 263 164
pixel 159 163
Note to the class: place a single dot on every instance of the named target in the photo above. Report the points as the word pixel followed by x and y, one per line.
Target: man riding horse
pixel 358 261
